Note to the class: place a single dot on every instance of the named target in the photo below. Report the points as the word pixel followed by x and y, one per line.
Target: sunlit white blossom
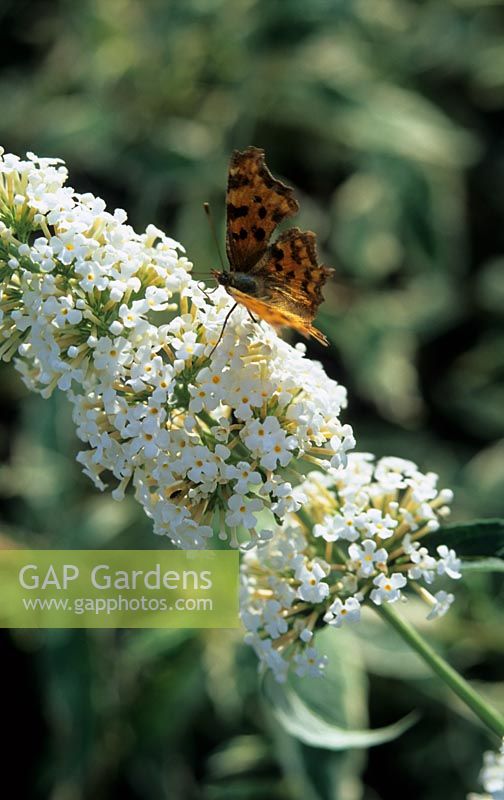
pixel 448 562
pixel 309 662
pixel 442 603
pixel 388 588
pixel 203 433
pixel 339 612
pixel 492 776
pixel 311 576
pixel 367 557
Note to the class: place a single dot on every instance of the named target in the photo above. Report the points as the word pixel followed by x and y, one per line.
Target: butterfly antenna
pixel 206 206
pixel 212 351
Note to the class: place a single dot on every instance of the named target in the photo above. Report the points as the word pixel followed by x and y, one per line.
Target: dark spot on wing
pixel 243 233
pixel 237 181
pixel 262 212
pixel 259 234
pixel 235 212
pixel 295 250
pixel 277 216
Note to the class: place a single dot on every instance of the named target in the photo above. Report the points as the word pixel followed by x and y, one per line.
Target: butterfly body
pixel 240 281
pixel 279 282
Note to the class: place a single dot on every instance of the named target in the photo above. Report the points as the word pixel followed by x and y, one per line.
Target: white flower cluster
pixel 356 539
pixel 208 436
pixel 492 776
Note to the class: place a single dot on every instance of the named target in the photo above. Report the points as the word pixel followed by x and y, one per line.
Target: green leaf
pixel 330 712
pixel 384 652
pixel 237 756
pixel 144 647
pixel 478 538
pixel 314 773
pixel 483 565
pixel 311 728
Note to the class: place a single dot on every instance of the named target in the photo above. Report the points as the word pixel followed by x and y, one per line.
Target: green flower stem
pixel 488 715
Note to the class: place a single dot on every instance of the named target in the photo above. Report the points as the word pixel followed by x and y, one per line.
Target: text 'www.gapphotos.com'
pixel 112 605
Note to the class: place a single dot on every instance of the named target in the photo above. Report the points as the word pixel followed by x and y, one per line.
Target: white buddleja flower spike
pixel 209 436
pixel 492 776
pixel 356 540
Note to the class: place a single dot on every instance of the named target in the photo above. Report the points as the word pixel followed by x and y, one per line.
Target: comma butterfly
pixel 279 282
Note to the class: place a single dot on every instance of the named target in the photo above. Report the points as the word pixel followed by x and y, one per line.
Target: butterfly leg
pixel 252 316
pixel 222 331
pixel 207 292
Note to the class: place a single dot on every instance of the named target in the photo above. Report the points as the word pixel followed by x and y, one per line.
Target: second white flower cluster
pixel 361 535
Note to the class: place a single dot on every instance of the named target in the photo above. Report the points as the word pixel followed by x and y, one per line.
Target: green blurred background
pixel 387 117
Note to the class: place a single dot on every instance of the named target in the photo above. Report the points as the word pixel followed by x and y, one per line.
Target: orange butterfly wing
pixel 256 203
pixel 291 279
pixel 277 316
pixel 291 271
